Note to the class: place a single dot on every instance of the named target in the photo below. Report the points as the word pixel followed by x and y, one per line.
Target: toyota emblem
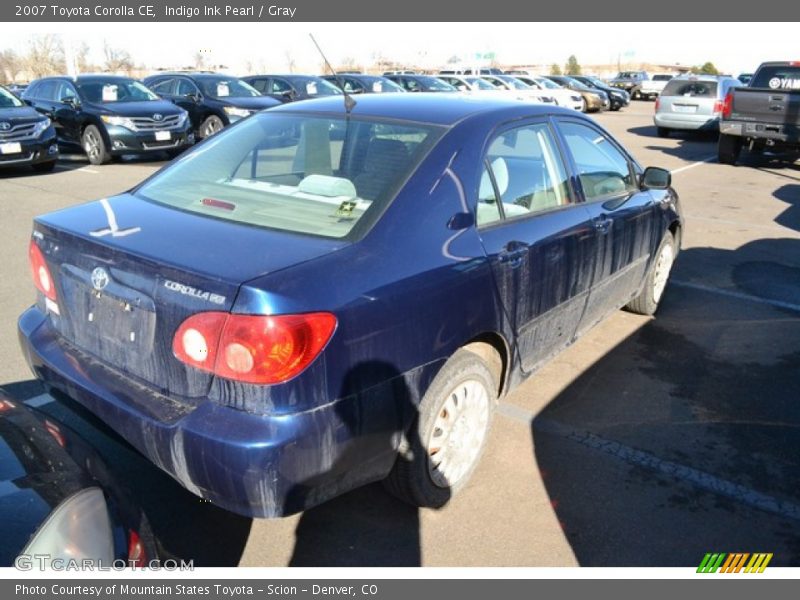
pixel 158 117
pixel 4 126
pixel 100 278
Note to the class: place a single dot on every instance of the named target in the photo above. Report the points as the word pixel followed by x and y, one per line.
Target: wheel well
pixel 494 351
pixel 675 230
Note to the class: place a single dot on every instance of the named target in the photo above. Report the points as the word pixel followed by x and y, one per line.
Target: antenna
pixel 349 103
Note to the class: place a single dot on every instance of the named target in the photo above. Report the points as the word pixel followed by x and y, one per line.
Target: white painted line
pixel 640 458
pixel 695 164
pixel 40 400
pixel 88 170
pixel 781 228
pixel 738 295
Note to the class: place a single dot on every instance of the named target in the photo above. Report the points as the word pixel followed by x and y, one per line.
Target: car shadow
pixel 185 526
pixel 681 439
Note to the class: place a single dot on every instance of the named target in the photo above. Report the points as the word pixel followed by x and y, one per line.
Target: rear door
pixel 540 242
pixel 622 215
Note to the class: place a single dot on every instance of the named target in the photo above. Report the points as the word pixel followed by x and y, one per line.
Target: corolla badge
pixel 100 278
pixel 4 126
pixel 158 117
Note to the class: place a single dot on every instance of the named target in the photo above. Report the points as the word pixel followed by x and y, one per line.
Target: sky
pixel 245 47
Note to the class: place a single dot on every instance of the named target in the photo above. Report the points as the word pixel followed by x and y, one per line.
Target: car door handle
pixel 603 223
pixel 513 253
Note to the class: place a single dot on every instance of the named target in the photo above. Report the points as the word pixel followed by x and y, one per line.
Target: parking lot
pixel 649 442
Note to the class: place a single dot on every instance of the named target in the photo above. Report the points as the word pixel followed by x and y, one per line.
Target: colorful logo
pixel 735 562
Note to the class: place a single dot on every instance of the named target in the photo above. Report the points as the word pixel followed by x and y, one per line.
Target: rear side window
pixel 162 87
pixel 306 174
pixel 695 89
pixel 777 78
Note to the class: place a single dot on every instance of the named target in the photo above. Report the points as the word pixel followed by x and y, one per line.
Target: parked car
pixel 108 116
pixel 364 84
pixel 26 137
pixel 617 98
pixel 563 96
pixel 60 503
pixel 290 88
pixel 652 87
pixel 630 81
pixel 421 83
pixel 692 102
pixel 342 351
pixel 745 78
pixel 764 115
pixel 212 100
pixel 16 88
pixel 478 85
pixel 520 90
pixel 594 100
pixel 471 71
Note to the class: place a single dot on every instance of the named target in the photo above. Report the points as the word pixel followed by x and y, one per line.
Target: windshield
pixel 777 77
pixel 515 83
pixel 8 100
pixel 226 87
pixel 479 84
pixel 382 85
pixel 307 174
pixel 628 75
pixel 546 83
pixel 595 81
pixel 662 77
pixel 434 83
pixel 317 87
pixel 107 91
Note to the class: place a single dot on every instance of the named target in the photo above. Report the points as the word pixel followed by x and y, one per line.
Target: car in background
pixel 468 83
pixel 745 78
pixel 108 116
pixel 16 88
pixel 60 503
pixel 617 98
pixel 692 102
pixel 421 83
pixel 630 81
pixel 212 100
pixel 26 136
pixel 474 84
pixel 290 88
pixel 471 71
pixel 563 96
pixel 652 87
pixel 594 100
pixel 289 321
pixel 363 84
pixel 520 90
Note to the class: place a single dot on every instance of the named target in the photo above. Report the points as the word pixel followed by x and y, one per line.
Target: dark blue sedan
pixel 316 299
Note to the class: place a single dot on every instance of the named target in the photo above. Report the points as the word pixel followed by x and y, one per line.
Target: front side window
pixel 307 174
pixel 162 87
pixel 186 88
pixel 604 171
pixel 523 174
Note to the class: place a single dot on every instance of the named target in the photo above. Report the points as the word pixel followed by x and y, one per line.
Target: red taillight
pixel 657 104
pixel 727 106
pixel 41 273
pixel 718 106
pixel 137 556
pixel 54 431
pixel 252 348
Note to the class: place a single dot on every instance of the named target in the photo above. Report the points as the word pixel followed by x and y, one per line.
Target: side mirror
pixel 655 178
pixel 462 220
pixel 71 101
pixel 288 94
pixel 193 97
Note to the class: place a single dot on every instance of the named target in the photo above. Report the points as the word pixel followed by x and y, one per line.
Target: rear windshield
pixel 696 89
pixel 317 175
pixel 777 78
pixel 662 77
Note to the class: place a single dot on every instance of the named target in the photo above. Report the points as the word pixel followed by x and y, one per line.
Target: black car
pixel 630 81
pixel 59 501
pixel 213 100
pixel 363 84
pixel 422 83
pixel 109 116
pixel 617 97
pixel 26 137
pixel 289 88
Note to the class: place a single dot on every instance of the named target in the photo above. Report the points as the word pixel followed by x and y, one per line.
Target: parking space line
pixel 640 458
pixel 737 295
pixel 694 164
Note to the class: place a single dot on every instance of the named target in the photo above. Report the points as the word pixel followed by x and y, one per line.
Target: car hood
pixel 252 103
pixel 20 114
pixel 138 109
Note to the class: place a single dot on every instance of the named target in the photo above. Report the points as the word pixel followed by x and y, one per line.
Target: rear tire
pixel 729 147
pixel 448 436
pixel 662 132
pixel 646 303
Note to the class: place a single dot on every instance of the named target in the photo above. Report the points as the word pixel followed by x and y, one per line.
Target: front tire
pixel 729 147
pixel 448 436
pixel 94 146
pixel 646 303
pixel 210 126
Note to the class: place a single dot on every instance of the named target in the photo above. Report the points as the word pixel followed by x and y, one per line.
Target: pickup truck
pixel 765 114
pixel 630 81
pixel 651 88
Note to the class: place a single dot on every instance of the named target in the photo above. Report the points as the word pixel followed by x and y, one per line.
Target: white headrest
pixel 500 170
pixel 326 185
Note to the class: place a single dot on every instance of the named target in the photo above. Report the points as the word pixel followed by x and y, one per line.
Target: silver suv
pixel 692 102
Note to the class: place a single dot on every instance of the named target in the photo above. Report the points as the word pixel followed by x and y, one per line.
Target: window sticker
pixel 109 93
pixel 311 88
pixel 377 87
pixel 223 90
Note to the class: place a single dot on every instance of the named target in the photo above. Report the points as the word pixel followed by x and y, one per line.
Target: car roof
pixel 437 109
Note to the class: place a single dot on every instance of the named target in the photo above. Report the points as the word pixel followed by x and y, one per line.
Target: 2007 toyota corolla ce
pixel 319 297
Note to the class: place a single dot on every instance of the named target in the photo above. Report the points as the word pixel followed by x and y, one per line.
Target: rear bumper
pixel 779 133
pixel 689 122
pixel 255 465
pixel 33 152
